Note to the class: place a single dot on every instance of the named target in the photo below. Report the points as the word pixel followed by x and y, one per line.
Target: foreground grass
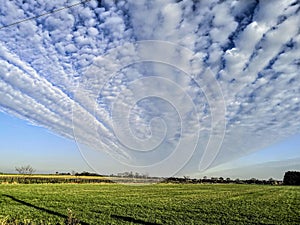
pixel 149 204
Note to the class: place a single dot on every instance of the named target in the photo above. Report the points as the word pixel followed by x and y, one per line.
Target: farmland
pixel 149 204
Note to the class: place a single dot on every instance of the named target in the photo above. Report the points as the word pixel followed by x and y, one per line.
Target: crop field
pixel 149 204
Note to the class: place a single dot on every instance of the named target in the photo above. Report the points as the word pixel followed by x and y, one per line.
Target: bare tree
pixel 25 170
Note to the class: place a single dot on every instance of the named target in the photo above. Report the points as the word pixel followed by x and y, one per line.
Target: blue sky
pixel 23 144
pixel 49 153
pixel 163 87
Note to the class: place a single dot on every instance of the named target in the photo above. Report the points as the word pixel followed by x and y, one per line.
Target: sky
pixel 159 87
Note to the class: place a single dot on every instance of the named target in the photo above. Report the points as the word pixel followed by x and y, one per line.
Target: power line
pixel 44 14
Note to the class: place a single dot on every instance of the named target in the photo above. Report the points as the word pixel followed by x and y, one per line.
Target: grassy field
pixel 150 204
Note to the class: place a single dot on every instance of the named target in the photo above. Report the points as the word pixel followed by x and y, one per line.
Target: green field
pixel 149 204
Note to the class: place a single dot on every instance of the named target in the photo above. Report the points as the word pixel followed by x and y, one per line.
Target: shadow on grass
pixel 40 208
pixel 127 218
pixel 124 218
pixel 132 220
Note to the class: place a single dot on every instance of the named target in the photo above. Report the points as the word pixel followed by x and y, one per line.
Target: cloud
pixel 67 71
pixel 271 169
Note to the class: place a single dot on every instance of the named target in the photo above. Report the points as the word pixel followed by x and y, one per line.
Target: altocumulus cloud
pixel 250 47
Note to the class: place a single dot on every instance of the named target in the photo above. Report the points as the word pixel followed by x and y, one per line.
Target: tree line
pixel 221 180
pixel 290 177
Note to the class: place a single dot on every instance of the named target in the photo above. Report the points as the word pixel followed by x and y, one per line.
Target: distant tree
pixel 130 174
pixel 252 181
pixel 238 181
pixel 146 175
pixel 25 170
pixel 85 173
pixel 291 178
pixel 186 177
pixel 64 174
pixel 214 179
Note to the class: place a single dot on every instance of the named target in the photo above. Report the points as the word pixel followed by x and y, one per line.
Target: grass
pixel 149 204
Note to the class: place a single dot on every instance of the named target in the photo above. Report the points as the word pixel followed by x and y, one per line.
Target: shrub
pixel 291 178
